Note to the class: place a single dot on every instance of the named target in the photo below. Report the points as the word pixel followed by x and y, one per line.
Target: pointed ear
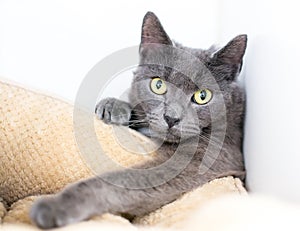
pixel 153 32
pixel 233 52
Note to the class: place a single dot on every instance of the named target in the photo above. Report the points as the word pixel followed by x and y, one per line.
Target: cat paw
pixel 113 111
pixel 46 214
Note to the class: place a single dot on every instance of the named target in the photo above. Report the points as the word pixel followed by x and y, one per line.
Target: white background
pixel 51 45
pixel 272 79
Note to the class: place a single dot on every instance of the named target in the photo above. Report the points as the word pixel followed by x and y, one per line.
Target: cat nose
pixel 171 121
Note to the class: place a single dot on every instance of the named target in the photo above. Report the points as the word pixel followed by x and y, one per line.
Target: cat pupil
pixel 158 84
pixel 203 95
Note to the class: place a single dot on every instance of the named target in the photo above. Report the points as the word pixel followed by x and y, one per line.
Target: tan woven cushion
pixel 38 150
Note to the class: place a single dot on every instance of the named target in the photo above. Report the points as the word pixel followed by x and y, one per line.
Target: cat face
pixel 176 106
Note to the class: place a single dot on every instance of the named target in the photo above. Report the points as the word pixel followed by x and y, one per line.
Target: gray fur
pixel 168 118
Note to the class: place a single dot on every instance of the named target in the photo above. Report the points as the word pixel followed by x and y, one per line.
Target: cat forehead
pixel 183 85
pixel 188 83
pixel 183 63
pixel 202 54
pixel 200 78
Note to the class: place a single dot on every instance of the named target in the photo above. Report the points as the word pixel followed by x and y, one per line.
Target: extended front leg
pixel 96 196
pixel 73 204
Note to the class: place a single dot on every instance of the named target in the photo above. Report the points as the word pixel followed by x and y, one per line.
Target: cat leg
pixel 96 196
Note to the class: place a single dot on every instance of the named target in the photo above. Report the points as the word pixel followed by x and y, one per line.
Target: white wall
pixel 272 82
pixel 51 45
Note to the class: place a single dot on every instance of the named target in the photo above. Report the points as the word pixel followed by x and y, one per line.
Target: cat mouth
pixel 168 135
pixel 171 135
pixel 172 138
pixel 174 135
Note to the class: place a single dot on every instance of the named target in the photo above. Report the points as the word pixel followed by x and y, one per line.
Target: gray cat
pixel 186 115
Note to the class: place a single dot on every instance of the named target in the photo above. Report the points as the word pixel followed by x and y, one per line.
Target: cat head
pixel 175 105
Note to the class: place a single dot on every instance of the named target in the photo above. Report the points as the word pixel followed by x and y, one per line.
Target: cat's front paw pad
pixel 46 214
pixel 113 111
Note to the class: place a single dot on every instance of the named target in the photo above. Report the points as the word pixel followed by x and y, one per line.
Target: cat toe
pixel 103 109
pixel 46 215
pixel 113 111
pixel 43 215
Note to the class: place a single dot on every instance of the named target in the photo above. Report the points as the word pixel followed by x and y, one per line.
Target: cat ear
pixel 233 52
pixel 153 32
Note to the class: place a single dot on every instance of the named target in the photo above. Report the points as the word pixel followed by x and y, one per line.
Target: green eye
pixel 202 96
pixel 158 86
